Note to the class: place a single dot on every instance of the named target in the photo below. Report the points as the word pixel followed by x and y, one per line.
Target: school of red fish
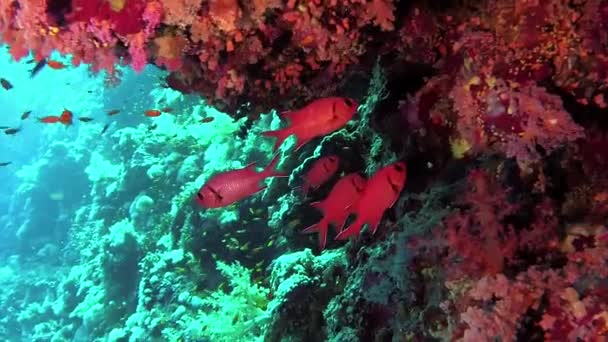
pixel 352 194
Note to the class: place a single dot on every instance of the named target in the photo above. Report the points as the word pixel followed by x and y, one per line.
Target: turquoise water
pixel 99 230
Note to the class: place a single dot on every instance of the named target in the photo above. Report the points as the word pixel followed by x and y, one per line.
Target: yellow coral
pixel 459 147
pixel 117 5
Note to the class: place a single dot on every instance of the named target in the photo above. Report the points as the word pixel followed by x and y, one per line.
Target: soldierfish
pixel 232 186
pixel 320 172
pixel 345 192
pixel 316 119
pixel 381 193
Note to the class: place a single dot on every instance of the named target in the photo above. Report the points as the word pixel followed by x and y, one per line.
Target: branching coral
pixel 240 314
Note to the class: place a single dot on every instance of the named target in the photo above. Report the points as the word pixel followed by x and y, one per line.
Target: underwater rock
pixel 188 170
pixel 155 171
pixel 120 268
pixel 302 285
pixel 140 209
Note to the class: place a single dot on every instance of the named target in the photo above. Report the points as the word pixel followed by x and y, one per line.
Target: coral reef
pixel 498 109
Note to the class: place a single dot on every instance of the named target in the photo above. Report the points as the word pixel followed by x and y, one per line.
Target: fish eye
pixel 200 196
pixel 399 168
pixel 348 102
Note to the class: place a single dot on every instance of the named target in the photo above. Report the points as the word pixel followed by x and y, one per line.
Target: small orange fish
pixel 113 112
pixel 55 64
pixel 66 117
pixel 26 115
pixel 152 113
pixel 208 119
pixel 50 119
pixel 6 84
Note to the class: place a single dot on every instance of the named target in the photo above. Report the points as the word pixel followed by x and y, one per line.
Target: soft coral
pixel 477 233
pixel 126 19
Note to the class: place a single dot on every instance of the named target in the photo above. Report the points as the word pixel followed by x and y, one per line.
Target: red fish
pixel 113 112
pixel 320 172
pixel 381 193
pixel 316 119
pixel 334 207
pixel 55 64
pixel 207 119
pixel 66 117
pixel 50 119
pixel 232 186
pixel 153 112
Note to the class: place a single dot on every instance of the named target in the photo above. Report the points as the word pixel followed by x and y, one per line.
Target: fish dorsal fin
pixel 295 117
pixel 318 205
pixel 250 165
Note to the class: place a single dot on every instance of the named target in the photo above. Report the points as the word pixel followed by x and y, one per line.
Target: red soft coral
pixel 380 12
pixel 476 235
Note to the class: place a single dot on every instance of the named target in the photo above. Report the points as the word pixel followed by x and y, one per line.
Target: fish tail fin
pixel 353 230
pixel 280 134
pixel 270 171
pixel 321 228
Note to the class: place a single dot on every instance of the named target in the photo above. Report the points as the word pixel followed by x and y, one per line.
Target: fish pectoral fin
pixel 394 186
pixel 216 193
pixel 358 189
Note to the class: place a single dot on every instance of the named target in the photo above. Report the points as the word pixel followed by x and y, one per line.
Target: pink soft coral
pixel 477 236
pixel 571 299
